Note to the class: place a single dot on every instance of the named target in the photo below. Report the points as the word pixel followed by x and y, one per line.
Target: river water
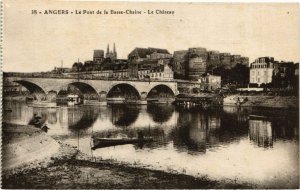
pixel 220 144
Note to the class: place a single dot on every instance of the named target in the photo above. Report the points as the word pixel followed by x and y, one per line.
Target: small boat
pixel 106 142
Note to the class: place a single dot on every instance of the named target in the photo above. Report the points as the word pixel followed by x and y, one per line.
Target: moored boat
pixel 105 142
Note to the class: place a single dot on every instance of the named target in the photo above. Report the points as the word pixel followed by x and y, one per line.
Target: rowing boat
pixel 105 142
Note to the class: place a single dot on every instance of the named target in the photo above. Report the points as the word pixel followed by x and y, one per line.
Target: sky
pixel 41 42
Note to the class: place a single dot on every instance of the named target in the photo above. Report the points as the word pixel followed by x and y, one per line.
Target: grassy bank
pixel 68 168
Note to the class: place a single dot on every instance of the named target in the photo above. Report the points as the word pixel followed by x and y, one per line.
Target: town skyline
pixel 42 42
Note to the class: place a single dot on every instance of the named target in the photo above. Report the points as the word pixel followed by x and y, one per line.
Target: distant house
pixel 210 82
pixel 161 72
pixel 168 72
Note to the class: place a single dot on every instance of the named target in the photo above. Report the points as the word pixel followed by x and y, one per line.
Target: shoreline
pixel 265 101
pixel 69 168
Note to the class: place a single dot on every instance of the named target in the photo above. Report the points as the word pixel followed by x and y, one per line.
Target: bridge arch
pixel 124 90
pixel 37 91
pixel 32 87
pixel 87 90
pixel 161 91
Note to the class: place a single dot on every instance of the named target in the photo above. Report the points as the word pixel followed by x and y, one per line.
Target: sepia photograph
pixel 149 95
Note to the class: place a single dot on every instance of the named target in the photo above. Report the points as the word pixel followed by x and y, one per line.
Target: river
pixel 220 144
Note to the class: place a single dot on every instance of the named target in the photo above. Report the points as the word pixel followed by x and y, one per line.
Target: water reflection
pixel 190 130
pixel 180 134
pixel 123 115
pixel 160 113
pixel 81 118
pixel 260 133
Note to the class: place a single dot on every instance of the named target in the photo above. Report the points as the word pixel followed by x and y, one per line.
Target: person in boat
pixel 238 102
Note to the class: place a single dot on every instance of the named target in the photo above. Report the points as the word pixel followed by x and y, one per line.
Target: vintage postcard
pixel 149 95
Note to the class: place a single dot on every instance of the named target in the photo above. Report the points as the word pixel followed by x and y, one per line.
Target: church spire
pixel 115 52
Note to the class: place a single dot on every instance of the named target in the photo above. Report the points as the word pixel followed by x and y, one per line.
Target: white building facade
pixel 261 70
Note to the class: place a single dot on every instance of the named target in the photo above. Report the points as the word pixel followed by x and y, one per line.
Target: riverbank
pixel 291 102
pixel 62 166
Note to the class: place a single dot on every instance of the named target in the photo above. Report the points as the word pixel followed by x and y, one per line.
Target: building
pixel 284 69
pixel 98 56
pixel 142 54
pixel 197 62
pixel 112 55
pixel 161 71
pixel 143 60
pixel 225 60
pixel 265 70
pixel 210 82
pixel 194 62
pixel 168 72
pixel 136 69
pixel 261 70
pixel 213 60
pixel 180 59
pixel 204 83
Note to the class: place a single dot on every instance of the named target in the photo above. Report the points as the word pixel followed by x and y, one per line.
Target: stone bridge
pixel 45 88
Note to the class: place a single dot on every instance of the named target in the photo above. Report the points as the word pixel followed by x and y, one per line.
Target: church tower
pixel 111 54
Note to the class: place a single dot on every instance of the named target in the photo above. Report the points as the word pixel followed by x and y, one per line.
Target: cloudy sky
pixel 40 42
